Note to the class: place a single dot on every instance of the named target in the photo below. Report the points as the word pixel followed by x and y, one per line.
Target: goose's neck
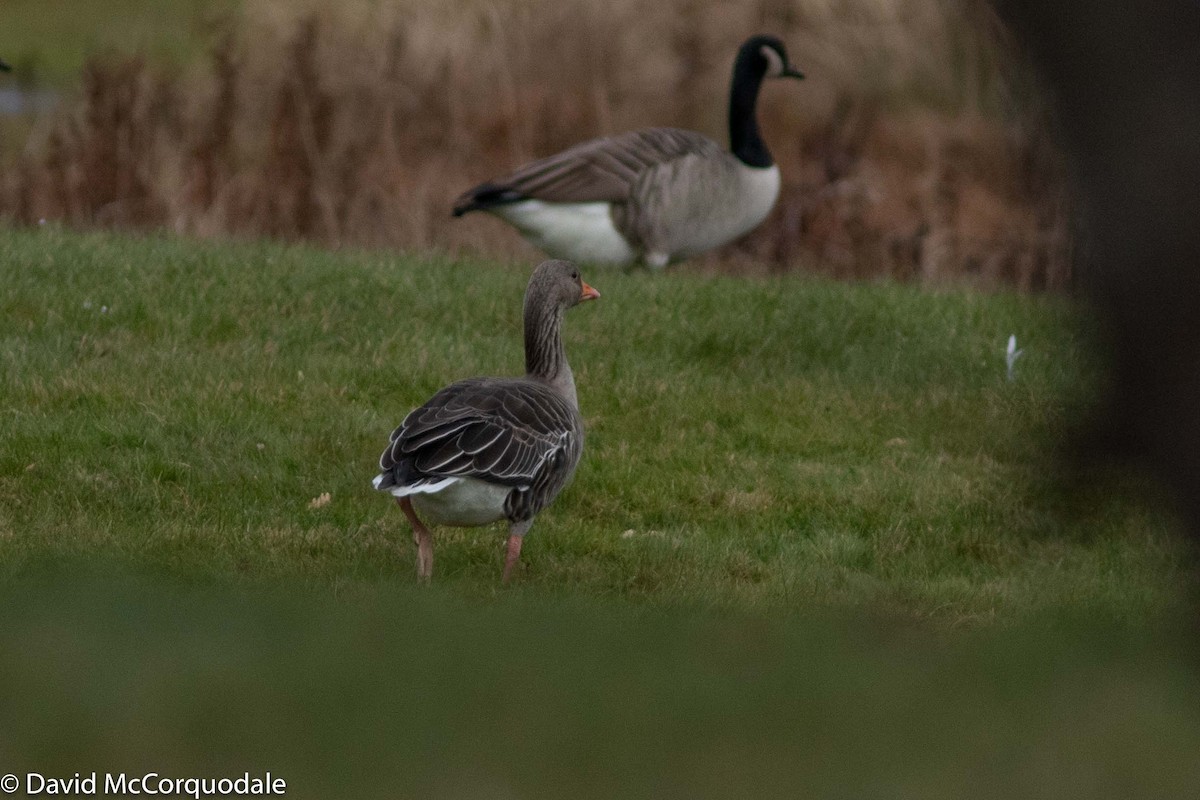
pixel 744 139
pixel 545 357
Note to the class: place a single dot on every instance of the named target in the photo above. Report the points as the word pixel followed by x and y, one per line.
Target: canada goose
pixel 656 195
pixel 486 449
pixel 4 66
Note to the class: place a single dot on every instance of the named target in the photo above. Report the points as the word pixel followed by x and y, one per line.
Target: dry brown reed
pixel 917 147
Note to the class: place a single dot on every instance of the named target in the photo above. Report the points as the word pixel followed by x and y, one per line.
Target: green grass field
pixel 816 545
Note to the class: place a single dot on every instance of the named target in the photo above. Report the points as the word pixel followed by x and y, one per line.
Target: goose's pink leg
pixel 421 537
pixel 514 555
pixel 516 535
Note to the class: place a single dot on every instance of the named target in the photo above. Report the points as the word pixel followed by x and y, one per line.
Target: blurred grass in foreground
pixel 410 693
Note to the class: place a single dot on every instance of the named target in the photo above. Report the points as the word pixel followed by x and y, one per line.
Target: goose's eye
pixel 575 275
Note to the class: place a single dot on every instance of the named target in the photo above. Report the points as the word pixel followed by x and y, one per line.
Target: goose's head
pixel 769 54
pixel 558 284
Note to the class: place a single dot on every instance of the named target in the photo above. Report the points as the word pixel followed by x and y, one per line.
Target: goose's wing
pixel 501 431
pixel 600 170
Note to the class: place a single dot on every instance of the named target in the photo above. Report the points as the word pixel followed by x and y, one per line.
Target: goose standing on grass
pixel 486 449
pixel 655 195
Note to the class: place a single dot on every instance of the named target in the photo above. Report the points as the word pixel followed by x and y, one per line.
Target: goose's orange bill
pixel 588 293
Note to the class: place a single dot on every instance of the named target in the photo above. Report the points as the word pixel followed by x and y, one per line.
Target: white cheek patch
pixel 774 62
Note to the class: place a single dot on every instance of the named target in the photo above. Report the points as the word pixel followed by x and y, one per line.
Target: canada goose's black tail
pixel 484 196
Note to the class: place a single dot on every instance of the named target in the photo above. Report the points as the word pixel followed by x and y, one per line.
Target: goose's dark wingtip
pixel 468 205
pixel 485 196
pixel 468 202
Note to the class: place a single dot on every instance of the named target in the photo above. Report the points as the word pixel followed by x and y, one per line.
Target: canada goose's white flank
pixel 486 449
pixel 655 195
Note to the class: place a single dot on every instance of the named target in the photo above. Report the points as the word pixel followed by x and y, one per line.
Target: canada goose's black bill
pixel 792 72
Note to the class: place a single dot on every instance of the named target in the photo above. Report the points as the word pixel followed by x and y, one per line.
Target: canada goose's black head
pixel 767 53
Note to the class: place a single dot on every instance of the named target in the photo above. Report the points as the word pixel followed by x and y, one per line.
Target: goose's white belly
pixel 575 231
pixel 694 213
pixel 463 502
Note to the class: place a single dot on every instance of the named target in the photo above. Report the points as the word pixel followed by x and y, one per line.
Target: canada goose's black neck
pixel 744 139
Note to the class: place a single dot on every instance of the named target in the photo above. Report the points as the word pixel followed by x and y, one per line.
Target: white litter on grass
pixel 1011 356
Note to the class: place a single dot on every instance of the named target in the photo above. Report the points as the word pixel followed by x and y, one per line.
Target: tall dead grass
pixel 916 148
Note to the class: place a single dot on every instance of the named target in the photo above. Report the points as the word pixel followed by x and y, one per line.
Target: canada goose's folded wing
pixel 600 170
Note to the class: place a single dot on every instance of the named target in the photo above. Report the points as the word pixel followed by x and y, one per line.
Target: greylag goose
pixel 486 449
pixel 655 195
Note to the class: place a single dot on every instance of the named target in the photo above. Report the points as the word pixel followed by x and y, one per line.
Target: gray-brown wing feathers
pixel 502 431
pixel 600 170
